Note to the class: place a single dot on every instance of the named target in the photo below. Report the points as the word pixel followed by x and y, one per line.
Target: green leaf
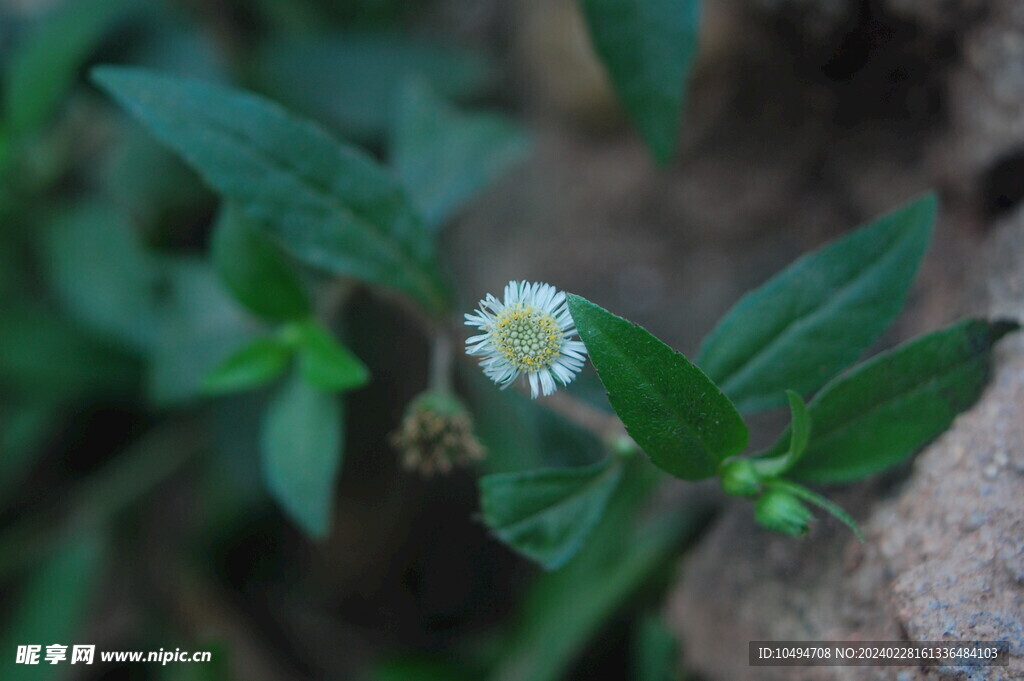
pixel 817 316
pixel 302 440
pixel 328 204
pixel 254 269
pixel 547 514
pixel 23 430
pixel 648 47
pixel 821 502
pixel 656 657
pixel 43 356
pixel 200 326
pixel 253 366
pixel 349 81
pixel 324 362
pixel 53 606
pixel 670 408
pixel 102 275
pixel 879 413
pixel 561 611
pixel 444 157
pixel 44 67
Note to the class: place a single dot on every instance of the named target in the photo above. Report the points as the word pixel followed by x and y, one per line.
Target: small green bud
pixel 740 479
pixel 436 435
pixel 781 511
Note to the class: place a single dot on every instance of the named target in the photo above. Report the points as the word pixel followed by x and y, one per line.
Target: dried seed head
pixel 436 435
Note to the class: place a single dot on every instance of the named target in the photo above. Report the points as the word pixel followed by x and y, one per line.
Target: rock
pixel 944 558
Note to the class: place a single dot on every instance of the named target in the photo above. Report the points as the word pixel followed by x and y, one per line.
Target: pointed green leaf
pixel 53 606
pixel 254 269
pixel 253 366
pixel 670 408
pixel 444 157
pixel 302 440
pixel 47 62
pixel 817 316
pixel 879 413
pixel 821 502
pixel 328 204
pixel 547 514
pixel 648 47
pixel 324 362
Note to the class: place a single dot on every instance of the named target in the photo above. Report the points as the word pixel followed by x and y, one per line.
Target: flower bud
pixel 740 479
pixel 781 511
pixel 436 435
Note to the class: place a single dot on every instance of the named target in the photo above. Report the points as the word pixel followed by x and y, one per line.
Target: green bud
pixel 740 479
pixel 781 511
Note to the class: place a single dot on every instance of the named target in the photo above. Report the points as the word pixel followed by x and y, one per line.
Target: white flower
pixel 530 332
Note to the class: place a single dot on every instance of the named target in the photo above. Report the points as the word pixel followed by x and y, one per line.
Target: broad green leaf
pixel 656 656
pixel 43 356
pixel 44 67
pixel 328 204
pixel 419 668
pixel 817 316
pixel 547 514
pixel 254 269
pixel 670 408
pixel 349 81
pixel 302 440
pixel 52 607
pixel 253 366
pixel 647 47
pixel 563 610
pixel 102 275
pixel 821 502
pixel 879 413
pixel 444 157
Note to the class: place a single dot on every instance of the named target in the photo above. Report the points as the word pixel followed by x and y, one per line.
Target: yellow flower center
pixel 527 337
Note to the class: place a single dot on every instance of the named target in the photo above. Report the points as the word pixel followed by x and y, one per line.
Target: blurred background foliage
pixel 133 512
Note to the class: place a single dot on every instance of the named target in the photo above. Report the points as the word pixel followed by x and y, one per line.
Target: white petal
pixel 534 387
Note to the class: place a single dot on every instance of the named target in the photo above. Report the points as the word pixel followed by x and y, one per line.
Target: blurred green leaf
pixel 52 607
pixel 563 610
pixel 253 366
pixel 670 408
pixel 350 81
pixel 43 356
pixel 818 315
pixel 47 62
pixel 878 413
pixel 153 187
pixel 648 47
pixel 327 203
pixel 656 657
pixel 547 514
pixel 199 327
pixel 445 157
pixel 324 362
pixel 102 275
pixel 254 269
pixel 23 428
pixel 302 441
